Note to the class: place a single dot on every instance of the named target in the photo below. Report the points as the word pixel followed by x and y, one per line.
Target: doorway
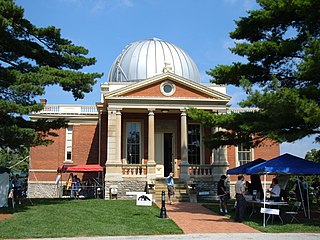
pixel 167 153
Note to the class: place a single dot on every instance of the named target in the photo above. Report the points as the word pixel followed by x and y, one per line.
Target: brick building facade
pixel 140 132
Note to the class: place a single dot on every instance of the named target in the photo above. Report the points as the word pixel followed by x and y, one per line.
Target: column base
pixel 219 169
pixel 151 171
pixel 113 172
pixel 184 171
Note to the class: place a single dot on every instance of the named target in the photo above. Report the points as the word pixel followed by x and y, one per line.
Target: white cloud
pixel 299 148
pixel 99 6
pixel 245 4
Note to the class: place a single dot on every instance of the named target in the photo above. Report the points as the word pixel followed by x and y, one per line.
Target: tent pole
pixel 308 201
pixel 301 196
pixel 264 198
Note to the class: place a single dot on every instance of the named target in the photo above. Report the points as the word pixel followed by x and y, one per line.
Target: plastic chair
pixel 294 212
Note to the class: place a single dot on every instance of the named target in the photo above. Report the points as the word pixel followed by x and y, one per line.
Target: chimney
pixel 43 101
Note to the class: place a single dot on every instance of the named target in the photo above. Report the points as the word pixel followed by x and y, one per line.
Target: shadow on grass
pixel 27 203
pixel 275 226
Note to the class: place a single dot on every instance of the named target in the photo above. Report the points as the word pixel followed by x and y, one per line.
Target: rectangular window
pixel 194 143
pixel 244 154
pixel 68 154
pixel 133 142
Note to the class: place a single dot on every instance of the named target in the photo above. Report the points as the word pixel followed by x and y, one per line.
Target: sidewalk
pixel 193 218
pixel 208 236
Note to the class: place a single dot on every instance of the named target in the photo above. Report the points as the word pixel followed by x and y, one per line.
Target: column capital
pixel 183 112
pixel 118 112
pixel 115 109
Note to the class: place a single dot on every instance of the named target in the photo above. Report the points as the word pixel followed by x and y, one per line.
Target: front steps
pixel 205 191
pixel 181 194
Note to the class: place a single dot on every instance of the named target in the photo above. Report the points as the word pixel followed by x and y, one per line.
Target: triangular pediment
pixel 155 88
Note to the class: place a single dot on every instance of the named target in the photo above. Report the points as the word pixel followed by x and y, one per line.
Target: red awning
pixel 81 168
pixel 63 168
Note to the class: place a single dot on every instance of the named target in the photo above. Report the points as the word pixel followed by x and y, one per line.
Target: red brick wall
pixel 85 148
pixel 154 90
pixel 266 151
pixel 85 144
pixel 51 156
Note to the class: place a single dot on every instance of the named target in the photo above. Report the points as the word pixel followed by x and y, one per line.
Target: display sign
pixel 270 211
pixel 144 200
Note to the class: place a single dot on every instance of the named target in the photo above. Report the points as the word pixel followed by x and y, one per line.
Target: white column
pixel 151 137
pixel 151 164
pixel 114 164
pixel 220 162
pixel 118 136
pixel 184 165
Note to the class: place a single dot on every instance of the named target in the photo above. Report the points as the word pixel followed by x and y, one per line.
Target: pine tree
pixel 281 46
pixel 32 58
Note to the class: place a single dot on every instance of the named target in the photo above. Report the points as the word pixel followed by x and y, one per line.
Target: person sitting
pixel 275 190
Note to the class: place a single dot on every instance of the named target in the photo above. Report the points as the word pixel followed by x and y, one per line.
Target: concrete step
pixel 181 193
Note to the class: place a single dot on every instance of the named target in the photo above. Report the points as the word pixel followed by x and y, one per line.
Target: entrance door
pixel 167 153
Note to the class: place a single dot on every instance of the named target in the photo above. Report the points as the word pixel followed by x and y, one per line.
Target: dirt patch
pixel 4 216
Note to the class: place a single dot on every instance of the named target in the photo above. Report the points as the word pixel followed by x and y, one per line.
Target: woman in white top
pixel 275 190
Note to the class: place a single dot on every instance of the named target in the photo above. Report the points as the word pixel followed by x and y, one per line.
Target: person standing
pixel 17 184
pixel 223 194
pixel 170 186
pixel 240 190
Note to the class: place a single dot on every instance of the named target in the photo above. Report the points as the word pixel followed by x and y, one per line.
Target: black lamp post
pixel 163 211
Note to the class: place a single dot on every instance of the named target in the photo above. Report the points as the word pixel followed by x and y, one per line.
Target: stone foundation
pixel 122 187
pixel 42 190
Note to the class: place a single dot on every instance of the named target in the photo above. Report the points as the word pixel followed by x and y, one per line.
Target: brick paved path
pixel 194 218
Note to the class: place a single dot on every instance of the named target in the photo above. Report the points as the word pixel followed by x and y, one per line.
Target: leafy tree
pixel 281 46
pixel 313 155
pixel 32 58
pixel 16 160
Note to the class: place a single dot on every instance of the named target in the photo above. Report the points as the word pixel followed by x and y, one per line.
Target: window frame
pixel 140 123
pixel 200 155
pixel 249 151
pixel 68 144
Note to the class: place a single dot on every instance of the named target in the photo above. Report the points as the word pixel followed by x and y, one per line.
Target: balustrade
pixel 134 170
pixel 200 170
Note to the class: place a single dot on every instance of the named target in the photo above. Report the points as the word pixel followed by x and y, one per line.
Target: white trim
pixel 68 143
pixel 237 162
pixel 141 142
pixel 186 82
pixel 42 170
pixel 167 83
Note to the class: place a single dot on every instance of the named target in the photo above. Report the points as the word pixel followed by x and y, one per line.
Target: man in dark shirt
pixel 222 193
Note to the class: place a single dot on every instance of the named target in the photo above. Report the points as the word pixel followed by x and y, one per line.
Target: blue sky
pixel 105 27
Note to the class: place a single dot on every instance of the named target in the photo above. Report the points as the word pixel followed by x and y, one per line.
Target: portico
pixel 152 136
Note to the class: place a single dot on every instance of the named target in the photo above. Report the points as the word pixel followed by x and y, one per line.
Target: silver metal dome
pixel 151 57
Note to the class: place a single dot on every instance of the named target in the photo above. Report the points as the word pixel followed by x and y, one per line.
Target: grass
pixel 75 218
pixel 256 221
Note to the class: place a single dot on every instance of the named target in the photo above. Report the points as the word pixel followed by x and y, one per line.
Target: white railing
pixel 65 109
pixel 135 170
pixel 241 110
pixel 200 170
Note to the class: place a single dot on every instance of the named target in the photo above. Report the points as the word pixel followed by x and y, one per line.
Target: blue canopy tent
pixel 287 164
pixel 243 168
pixel 4 186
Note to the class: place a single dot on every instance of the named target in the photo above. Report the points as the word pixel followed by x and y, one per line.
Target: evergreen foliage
pixel 32 58
pixel 280 42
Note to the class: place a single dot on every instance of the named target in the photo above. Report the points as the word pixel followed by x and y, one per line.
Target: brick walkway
pixel 194 218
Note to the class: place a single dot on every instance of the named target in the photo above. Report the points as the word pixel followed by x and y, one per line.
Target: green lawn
pixel 94 217
pixel 256 221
